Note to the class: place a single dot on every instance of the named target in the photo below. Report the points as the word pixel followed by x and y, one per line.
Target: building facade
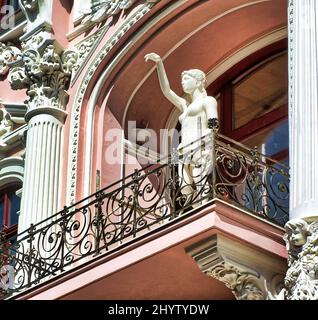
pixel 96 199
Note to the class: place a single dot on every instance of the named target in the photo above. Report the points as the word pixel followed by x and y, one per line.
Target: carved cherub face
pixel 297 232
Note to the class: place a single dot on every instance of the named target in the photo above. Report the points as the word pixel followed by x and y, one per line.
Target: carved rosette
pixel 243 284
pixel 45 74
pixel 301 279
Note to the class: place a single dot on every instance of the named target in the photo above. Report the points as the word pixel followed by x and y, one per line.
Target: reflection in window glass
pixel 261 91
pixel 272 142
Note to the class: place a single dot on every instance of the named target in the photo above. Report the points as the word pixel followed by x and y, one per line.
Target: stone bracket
pixel 250 275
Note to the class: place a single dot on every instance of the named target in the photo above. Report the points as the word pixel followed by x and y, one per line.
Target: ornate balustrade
pixel 151 198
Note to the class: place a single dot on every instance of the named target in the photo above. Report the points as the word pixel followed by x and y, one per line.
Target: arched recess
pixel 11 174
pixel 120 86
pixel 11 171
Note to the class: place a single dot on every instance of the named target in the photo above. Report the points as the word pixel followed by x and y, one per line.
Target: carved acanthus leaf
pixel 84 49
pixel 8 54
pixel 45 74
pixel 243 284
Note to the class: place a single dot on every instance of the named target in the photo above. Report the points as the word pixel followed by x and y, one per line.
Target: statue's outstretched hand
pixel 153 57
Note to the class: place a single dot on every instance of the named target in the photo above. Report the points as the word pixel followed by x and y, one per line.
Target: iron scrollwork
pixel 144 201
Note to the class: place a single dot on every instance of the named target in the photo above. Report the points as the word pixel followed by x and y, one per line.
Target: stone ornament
pixel 45 74
pixel 36 12
pixel 8 54
pixel 243 284
pixel 103 9
pixel 301 279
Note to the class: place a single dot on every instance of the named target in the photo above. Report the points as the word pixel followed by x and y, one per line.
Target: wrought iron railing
pixel 151 198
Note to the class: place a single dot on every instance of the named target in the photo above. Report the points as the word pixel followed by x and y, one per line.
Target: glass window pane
pixel 261 91
pixel 272 142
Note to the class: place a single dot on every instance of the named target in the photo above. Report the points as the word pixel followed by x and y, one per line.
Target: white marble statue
pixel 198 116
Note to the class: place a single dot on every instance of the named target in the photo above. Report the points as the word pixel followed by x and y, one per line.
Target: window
pixel 253 102
pixel 9 207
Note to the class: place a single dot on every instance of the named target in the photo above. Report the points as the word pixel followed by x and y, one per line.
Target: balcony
pixel 148 202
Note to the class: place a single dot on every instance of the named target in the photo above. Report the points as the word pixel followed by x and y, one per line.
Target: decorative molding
pixel 301 281
pixel 85 49
pixel 11 170
pixel 291 55
pixel 12 140
pixel 103 9
pixel 250 275
pixel 243 284
pixel 75 121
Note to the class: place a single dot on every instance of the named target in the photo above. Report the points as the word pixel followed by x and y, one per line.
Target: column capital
pixel 301 279
pixel 44 71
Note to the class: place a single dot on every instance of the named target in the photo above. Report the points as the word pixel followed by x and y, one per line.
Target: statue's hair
pixel 198 75
pixel 297 223
pixel 195 73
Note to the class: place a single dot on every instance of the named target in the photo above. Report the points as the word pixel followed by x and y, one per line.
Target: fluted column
pixel 42 166
pixel 302 230
pixel 45 72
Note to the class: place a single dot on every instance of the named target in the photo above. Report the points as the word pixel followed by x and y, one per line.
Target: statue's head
pixel 193 79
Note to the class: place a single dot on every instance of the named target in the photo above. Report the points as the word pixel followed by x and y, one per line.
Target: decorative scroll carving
pixel 103 9
pixel 85 49
pixel 301 279
pixel 45 74
pixel 8 54
pixel 243 284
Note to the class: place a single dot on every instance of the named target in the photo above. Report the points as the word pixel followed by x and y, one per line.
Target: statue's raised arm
pixel 179 102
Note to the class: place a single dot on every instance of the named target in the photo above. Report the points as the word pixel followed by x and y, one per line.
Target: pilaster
pixel 302 230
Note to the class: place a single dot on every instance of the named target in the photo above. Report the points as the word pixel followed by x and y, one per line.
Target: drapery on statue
pixel 199 115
